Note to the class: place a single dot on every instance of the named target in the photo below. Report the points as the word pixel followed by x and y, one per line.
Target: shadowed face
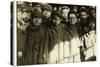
pixel 37 8
pixel 72 18
pixel 93 13
pixel 57 20
pixel 46 13
pixel 37 21
pixel 92 25
pixel 83 15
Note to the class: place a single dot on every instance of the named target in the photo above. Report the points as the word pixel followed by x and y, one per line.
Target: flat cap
pixel 46 7
pixel 65 7
pixel 37 14
pixel 56 13
pixel 28 9
pixel 36 4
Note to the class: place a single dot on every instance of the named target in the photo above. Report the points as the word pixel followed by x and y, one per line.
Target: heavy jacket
pixel 34 45
pixel 74 43
pixel 56 43
pixel 21 39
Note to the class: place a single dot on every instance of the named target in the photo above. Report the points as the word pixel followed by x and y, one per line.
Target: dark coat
pixel 21 39
pixel 73 30
pixel 34 45
pixel 74 41
pixel 54 35
pixel 59 40
pixel 84 27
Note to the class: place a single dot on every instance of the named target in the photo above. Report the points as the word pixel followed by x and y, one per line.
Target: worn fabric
pixel 34 45
pixel 74 43
pixel 89 41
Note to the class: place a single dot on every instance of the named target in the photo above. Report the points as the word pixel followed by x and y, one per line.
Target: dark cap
pixel 65 7
pixel 93 8
pixel 26 9
pixel 46 7
pixel 57 13
pixel 36 5
pixel 37 14
pixel 73 12
pixel 83 9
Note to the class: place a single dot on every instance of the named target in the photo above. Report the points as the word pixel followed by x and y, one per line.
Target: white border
pixel 73 2
pixel 69 2
pixel 5 32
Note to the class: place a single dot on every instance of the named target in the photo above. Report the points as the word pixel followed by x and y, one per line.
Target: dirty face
pixel 93 13
pixel 72 18
pixel 37 8
pixel 83 15
pixel 92 25
pixel 57 20
pixel 37 21
pixel 46 13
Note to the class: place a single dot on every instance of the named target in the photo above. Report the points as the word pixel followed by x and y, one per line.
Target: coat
pixel 74 43
pixel 34 45
pixel 56 43
pixel 21 40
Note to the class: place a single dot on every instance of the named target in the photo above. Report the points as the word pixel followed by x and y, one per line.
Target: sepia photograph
pixel 54 33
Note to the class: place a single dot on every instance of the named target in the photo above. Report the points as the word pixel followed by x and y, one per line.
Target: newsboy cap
pixel 37 14
pixel 65 7
pixel 28 9
pixel 57 13
pixel 46 7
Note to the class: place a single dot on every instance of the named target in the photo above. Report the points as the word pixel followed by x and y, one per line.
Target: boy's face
pixel 72 19
pixel 38 8
pixel 65 13
pixel 92 25
pixel 83 15
pixel 57 20
pixel 46 13
pixel 93 13
pixel 26 15
pixel 37 21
